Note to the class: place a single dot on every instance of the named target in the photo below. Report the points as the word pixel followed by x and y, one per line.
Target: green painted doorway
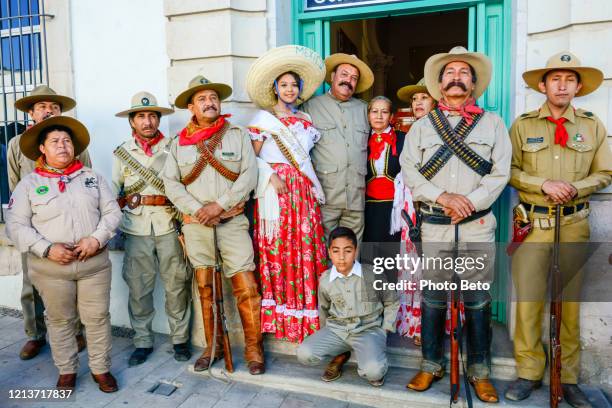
pixel 422 28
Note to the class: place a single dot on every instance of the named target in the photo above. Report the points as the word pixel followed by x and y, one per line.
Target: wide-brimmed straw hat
pixel 28 143
pixel 366 76
pixel 405 93
pixel 144 102
pixel 200 83
pixel 478 61
pixel 42 93
pixel 267 68
pixel 590 78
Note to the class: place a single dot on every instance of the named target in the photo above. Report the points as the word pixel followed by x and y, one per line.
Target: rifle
pixel 455 338
pixel 220 325
pixel 556 391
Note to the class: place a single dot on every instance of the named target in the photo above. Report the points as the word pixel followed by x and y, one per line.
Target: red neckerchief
pixel 377 144
pixel 193 133
pixel 561 135
pixel 147 144
pixel 466 110
pixel 43 170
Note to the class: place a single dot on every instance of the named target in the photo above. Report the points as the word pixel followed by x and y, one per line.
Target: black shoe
pixel 139 356
pixel 181 352
pixel 521 388
pixel 574 396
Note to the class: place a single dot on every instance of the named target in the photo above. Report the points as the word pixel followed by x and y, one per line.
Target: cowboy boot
pixel 478 325
pixel 248 301
pixel 432 346
pixel 204 278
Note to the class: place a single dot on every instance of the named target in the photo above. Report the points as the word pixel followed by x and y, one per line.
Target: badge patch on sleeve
pixel 41 190
pixel 91 182
pixel 535 140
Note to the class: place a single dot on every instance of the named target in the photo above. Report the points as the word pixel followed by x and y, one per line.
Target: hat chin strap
pixel 290 106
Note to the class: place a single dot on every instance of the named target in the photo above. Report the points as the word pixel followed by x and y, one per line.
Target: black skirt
pixel 378 222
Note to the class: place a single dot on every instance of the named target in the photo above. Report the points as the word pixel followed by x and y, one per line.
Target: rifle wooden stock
pixel 556 391
pixel 222 326
pixel 454 347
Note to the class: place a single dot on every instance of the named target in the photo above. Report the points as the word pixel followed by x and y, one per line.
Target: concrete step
pixel 402 353
pixel 284 373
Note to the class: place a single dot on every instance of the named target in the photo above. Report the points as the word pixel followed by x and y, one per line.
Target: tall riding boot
pixel 479 331
pixel 204 277
pixel 433 319
pixel 248 301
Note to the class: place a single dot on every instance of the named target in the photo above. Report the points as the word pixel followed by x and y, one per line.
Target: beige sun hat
pixel 366 76
pixel 200 83
pixel 405 93
pixel 42 93
pixel 144 102
pixel 28 143
pixel 590 78
pixel 267 68
pixel 480 62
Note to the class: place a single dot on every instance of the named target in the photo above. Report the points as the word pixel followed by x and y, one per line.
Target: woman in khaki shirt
pixel 63 214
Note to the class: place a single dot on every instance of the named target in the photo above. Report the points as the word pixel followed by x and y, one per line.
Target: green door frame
pixel 489 32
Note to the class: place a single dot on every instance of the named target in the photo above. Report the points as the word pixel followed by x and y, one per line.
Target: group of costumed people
pixel 327 172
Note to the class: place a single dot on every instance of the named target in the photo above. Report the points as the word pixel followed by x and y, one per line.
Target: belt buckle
pixel 133 200
pixel 551 211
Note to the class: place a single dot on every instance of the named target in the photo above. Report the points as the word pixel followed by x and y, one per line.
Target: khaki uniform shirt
pixel 20 166
pixel 349 304
pixel 340 156
pixel 40 215
pixel 235 152
pixel 489 139
pixel 586 161
pixel 144 219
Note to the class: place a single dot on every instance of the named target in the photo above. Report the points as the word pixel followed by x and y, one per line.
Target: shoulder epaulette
pixel 531 114
pixel 585 114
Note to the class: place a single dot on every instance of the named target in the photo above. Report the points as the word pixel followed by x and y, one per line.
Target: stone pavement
pixel 286 384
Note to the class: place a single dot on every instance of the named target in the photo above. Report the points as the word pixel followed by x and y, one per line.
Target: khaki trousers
pixel 32 305
pixel 369 348
pixel 335 217
pixel 234 242
pixel 530 270
pixel 66 289
pixel 144 257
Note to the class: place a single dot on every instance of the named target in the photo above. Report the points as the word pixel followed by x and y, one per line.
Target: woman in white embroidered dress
pixel 288 224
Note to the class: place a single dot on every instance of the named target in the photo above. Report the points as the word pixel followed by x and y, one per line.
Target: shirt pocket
pixel 45 207
pixel 429 145
pixel 186 157
pixel 535 156
pixel 327 174
pixel 327 129
pixel 578 157
pixel 360 138
pixel 482 145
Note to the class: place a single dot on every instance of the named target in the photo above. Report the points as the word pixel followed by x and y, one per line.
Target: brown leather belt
pixel 225 216
pixel 135 200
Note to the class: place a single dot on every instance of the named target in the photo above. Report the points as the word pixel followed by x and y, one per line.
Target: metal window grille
pixel 23 59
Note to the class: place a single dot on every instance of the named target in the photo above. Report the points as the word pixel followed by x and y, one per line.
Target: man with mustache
pixel 151 238
pixel 339 157
pixel 560 155
pixel 42 103
pixel 456 161
pixel 209 174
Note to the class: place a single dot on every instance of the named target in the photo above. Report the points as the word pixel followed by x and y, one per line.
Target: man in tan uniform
pixel 152 241
pixel 210 171
pixel 457 187
pixel 43 102
pixel 340 156
pixel 560 155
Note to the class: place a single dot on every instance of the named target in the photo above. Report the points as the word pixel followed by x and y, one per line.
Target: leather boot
pixel 485 391
pixel 204 278
pixel 479 333
pixel 433 320
pixel 106 382
pixel 66 381
pixel 248 301
pixel 333 371
pixel 31 349
pixel 423 380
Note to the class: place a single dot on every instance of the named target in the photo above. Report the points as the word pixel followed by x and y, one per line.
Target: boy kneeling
pixel 353 315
